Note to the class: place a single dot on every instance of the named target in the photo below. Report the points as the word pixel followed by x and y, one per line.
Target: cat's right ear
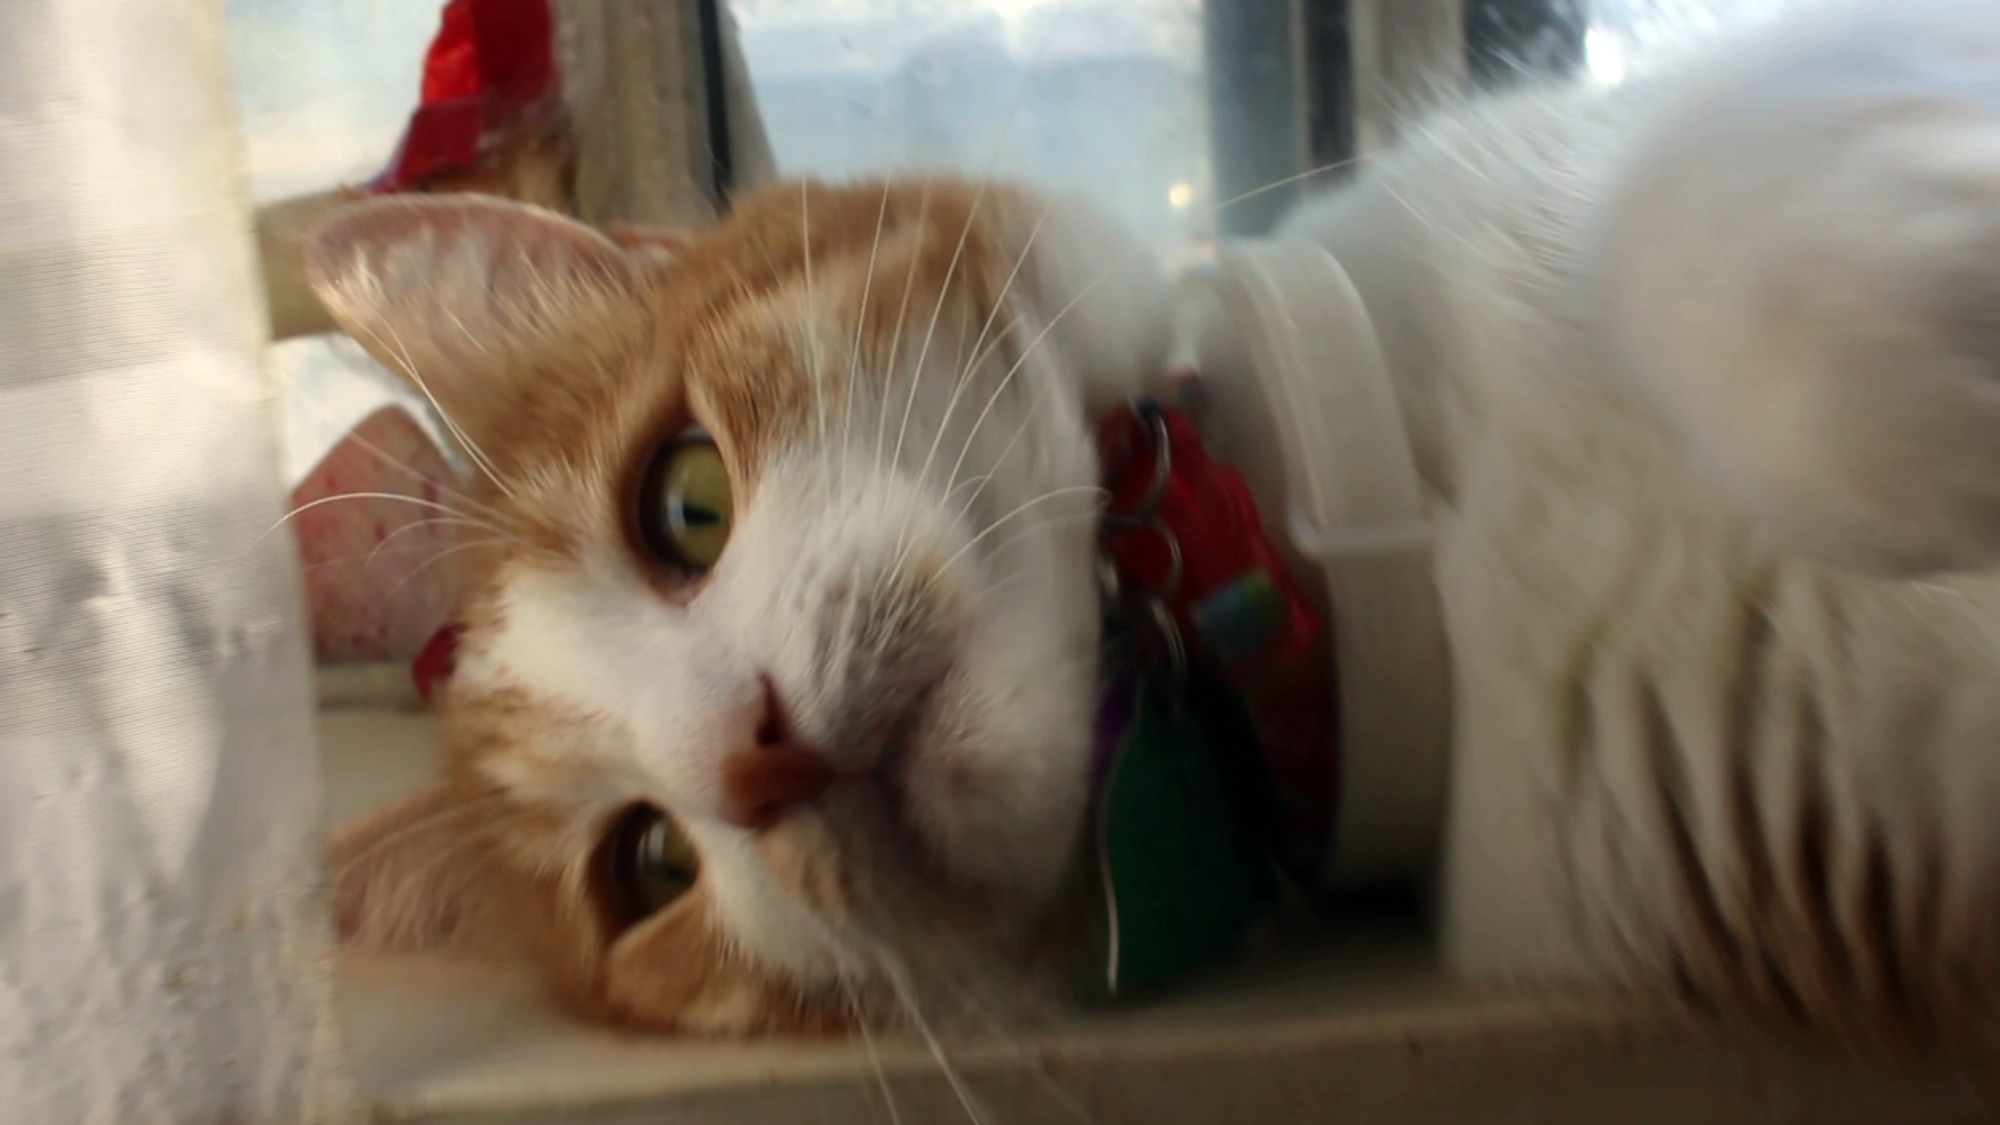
pixel 466 295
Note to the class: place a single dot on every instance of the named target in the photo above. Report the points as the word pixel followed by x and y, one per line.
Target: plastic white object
pixel 1298 397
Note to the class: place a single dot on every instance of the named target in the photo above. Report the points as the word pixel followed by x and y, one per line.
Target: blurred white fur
pixel 1704 371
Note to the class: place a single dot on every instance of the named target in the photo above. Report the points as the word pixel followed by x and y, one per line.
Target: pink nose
pixel 774 773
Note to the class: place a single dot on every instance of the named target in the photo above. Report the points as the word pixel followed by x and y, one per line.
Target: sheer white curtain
pixel 162 948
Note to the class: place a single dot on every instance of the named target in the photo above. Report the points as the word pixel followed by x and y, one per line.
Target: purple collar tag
pixel 1114 717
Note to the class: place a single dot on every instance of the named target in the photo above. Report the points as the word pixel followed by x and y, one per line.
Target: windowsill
pixel 1366 1029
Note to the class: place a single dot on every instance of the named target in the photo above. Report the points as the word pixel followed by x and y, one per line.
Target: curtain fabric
pixel 163 947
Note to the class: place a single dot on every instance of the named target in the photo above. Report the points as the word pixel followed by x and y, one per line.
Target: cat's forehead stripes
pixel 809 286
pixel 754 333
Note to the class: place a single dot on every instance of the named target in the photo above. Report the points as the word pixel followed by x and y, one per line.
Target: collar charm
pixel 1215 741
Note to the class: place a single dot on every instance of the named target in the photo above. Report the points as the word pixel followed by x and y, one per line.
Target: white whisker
pixel 1006 451
pixel 896 336
pixel 899 982
pixel 473 452
pixel 436 559
pixel 447 521
pixel 874 1055
pixel 937 311
pixel 403 831
pixel 986 478
pixel 367 558
pixel 975 483
pixel 1274 185
pixel 394 496
pixel 965 372
pixel 1034 526
pixel 999 1033
pixel 458 495
pixel 458 322
pixel 985 181
pixel 860 323
pixel 1008 378
pixel 417 877
pixel 812 322
pixel 902 545
pixel 1045 497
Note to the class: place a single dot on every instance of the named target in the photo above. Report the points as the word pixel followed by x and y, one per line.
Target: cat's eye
pixel 685 509
pixel 647 863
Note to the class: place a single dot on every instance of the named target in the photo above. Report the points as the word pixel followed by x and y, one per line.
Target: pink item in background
pixel 380 572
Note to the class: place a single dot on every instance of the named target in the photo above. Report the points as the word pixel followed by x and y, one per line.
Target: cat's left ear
pixel 474 298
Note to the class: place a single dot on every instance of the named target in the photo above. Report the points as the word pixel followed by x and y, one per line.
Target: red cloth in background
pixel 491 61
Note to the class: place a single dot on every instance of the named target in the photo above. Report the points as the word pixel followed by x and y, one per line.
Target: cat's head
pixel 778 676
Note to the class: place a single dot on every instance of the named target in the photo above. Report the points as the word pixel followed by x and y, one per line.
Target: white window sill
pixel 1367 1031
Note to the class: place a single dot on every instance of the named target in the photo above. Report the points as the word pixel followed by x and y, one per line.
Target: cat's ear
pixel 655 247
pixel 468 295
pixel 426 873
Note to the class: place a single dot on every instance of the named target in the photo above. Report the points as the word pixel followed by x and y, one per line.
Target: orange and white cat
pixel 773 705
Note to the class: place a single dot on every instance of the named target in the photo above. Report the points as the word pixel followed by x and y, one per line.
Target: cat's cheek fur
pixel 613 650
pixel 597 641
pixel 680 972
pixel 759 916
pixel 1001 778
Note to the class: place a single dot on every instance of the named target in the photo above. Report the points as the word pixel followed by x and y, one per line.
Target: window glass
pixel 1108 98
pixel 1101 96
pixel 1104 97
pixel 325 86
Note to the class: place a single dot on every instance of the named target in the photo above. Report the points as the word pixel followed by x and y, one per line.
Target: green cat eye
pixel 648 863
pixel 685 510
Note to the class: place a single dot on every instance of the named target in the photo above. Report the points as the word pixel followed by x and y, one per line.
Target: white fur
pixel 1696 369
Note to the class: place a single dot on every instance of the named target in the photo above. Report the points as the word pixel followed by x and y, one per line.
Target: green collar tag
pixel 1183 871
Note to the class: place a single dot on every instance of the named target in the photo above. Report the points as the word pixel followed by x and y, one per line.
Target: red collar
pixel 1183 537
pixel 435 662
